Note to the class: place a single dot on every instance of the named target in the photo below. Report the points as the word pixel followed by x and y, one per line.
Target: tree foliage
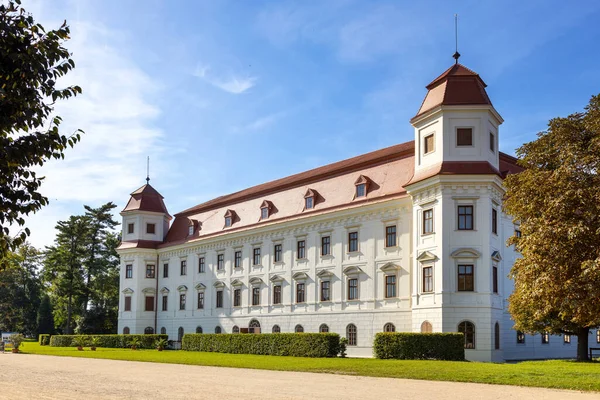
pixel 45 319
pixel 31 61
pixel 556 201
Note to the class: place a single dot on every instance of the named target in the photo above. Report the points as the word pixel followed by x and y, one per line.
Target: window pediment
pixel 236 283
pixel 324 273
pixel 310 193
pixel 352 271
pixel 127 291
pixel 390 267
pixel 164 290
pixel 465 252
pixel 266 204
pixel 496 256
pixel 426 256
pixel 256 281
pixel 300 276
pixel 200 287
pixel 182 288
pixel 148 291
pixel 219 284
pixel 361 180
pixel 276 278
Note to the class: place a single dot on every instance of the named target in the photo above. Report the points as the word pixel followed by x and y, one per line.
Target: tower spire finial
pixel 456 55
pixel 148 170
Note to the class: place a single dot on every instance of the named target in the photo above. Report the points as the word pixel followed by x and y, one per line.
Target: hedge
pixel 44 339
pixel 273 344
pixel 419 346
pixel 110 341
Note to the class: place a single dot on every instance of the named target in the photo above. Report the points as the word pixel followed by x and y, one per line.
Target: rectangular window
pixel 149 303
pixel 130 228
pixel 352 242
pixel 183 270
pixel 494 221
pixel 301 254
pixel 465 218
pixel 325 245
pixel 237 263
pixel 129 271
pixel 361 190
pixel 428 221
pixel 256 256
pixel 352 289
pixel 150 272
pixel 227 222
pixel 464 137
pixel 492 143
pixel 429 144
pixel 545 338
pixel 277 255
pixel 520 337
pixel 237 297
pixel 325 294
pixel 151 228
pixel 300 293
pixel 390 286
pixel 165 270
pixel 308 203
pixel 598 335
pixel 256 296
pixel 517 233
pixel 182 301
pixel 465 278
pixel 220 262
pixel 427 279
pixel 127 303
pixel 219 299
pixel 495 279
pixel 165 302
pixel 264 213
pixel 200 300
pixel 277 294
pixel 390 236
pixel 201 265
pixel 567 338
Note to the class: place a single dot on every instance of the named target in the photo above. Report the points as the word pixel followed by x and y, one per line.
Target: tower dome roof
pixel 458 85
pixel 146 198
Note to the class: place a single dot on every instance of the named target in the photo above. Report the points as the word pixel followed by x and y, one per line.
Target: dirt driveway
pixel 25 376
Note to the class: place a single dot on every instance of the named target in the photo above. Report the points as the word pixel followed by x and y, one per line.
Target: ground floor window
pixel 299 329
pixel 520 337
pixel 163 331
pixel 276 329
pixel 497 336
pixel 351 334
pixel 180 334
pixel 545 338
pixel 218 329
pixel 148 331
pixel 323 328
pixel 567 338
pixel 468 330
pixel 198 329
pixel 389 327
pixel 426 327
pixel 126 330
pixel 235 329
pixel 598 336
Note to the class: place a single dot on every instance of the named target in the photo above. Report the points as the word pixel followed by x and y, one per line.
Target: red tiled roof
pixel 139 244
pixel 146 198
pixel 458 85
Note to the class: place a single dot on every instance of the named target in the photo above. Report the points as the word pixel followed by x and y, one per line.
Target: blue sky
pixel 223 95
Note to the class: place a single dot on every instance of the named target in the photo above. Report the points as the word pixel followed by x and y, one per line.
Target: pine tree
pixel 45 319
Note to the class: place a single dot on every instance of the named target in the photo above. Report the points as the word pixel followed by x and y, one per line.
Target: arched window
pixel 218 329
pixel 468 329
pixel 497 336
pixel 426 327
pixel 148 331
pixel 389 327
pixel 299 329
pixel 351 334
pixel 254 324
pixel 236 329
pixel 323 328
pixel 126 330
pixel 276 329
pixel 198 329
pixel 163 331
pixel 180 334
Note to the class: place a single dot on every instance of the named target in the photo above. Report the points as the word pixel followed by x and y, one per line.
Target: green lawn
pixel 549 374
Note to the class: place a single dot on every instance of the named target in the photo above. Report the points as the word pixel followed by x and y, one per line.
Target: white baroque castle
pixel 410 238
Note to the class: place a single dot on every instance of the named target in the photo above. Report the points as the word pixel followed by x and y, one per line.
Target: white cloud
pixel 232 83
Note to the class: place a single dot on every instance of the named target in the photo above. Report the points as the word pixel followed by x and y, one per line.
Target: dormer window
pixel 361 184
pixel 309 199
pixel 428 144
pixel 464 136
pixel 190 230
pixel 229 218
pixel 193 227
pixel 265 209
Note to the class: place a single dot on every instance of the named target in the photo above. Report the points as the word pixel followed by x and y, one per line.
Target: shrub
pixel 278 344
pixel 16 340
pixel 44 339
pixel 343 347
pixel 108 341
pixel 419 346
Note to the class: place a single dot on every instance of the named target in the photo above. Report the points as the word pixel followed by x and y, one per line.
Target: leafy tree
pixel 556 200
pixel 20 291
pixel 45 319
pixel 31 61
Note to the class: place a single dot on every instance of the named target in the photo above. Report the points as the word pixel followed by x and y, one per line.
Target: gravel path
pixel 25 376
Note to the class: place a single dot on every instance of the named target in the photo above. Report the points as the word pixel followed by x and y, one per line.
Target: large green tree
pixel 45 319
pixel 31 61
pixel 556 201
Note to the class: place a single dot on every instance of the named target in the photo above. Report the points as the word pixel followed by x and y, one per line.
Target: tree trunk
pixel 582 344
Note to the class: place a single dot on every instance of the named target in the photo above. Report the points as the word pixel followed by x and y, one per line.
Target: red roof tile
pixel 146 198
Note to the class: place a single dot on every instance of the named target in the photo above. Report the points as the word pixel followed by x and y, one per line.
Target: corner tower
pixel 457 192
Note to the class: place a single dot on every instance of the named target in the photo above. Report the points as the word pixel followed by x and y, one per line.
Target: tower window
pixel 151 228
pixel 494 221
pixel 464 137
pixel 465 278
pixel 465 218
pixel 428 221
pixel 150 271
pixel 130 228
pixel 428 144
pixel 128 303
pixel 492 143
pixel 129 271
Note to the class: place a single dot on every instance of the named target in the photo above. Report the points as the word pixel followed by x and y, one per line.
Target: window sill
pixel 465 230
pixel 389 248
pixel 326 302
pixel 353 253
pixel 302 260
pixel 278 263
pixel 423 293
pixel 353 301
pixel 427 234
pixel 326 256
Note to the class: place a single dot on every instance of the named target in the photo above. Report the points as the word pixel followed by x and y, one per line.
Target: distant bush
pixel 109 341
pixel 44 339
pixel 419 346
pixel 278 344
